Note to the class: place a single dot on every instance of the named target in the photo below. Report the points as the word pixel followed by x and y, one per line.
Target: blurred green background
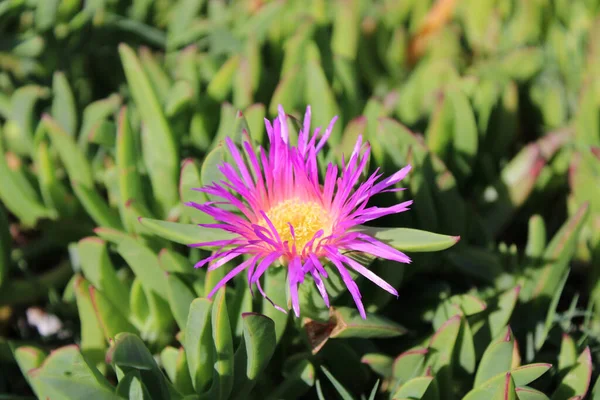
pixel 112 110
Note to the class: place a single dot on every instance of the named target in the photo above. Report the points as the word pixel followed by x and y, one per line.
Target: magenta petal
pixel 321 287
pixel 230 276
pixel 370 275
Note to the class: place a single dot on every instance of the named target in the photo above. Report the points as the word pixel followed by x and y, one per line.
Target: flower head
pixel 285 214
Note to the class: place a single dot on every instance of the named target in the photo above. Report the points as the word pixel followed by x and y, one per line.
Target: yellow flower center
pixel 307 218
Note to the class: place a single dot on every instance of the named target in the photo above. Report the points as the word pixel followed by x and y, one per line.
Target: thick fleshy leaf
pixel 129 353
pixel 221 84
pixel 96 206
pixel 180 297
pixel 110 317
pixel 496 359
pixel 29 358
pixel 19 128
pixel 188 181
pixel 99 270
pixel 198 344
pixel 144 263
pixel 73 159
pixel 223 367
pixel 414 388
pixel 130 184
pixel 54 377
pixel 442 347
pixel 160 149
pixel 5 246
pixel 17 198
pixel 275 285
pixel 521 376
pixel 567 357
pixel 174 362
pixel 54 192
pixel 381 364
pixel 578 380
pixel 340 389
pixel 411 240
pixel 254 352
pixel 409 364
pixel 131 387
pixel 184 233
pixel 94 114
pixel 349 323
pixel 93 341
pixel 527 393
pixel 64 110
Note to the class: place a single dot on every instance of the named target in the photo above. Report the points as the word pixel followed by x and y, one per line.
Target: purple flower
pixel 287 216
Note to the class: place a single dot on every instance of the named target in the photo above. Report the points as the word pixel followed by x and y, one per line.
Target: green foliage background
pixel 111 111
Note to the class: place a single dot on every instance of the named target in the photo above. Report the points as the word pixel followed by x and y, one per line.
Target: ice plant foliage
pixel 286 215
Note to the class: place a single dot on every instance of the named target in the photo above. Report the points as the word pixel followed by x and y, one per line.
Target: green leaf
pixel 299 376
pixel 66 374
pixel 320 96
pixel 381 364
pixel 130 183
pixel 93 342
pixel 157 76
pixel 441 347
pixel 180 97
pixel 172 261
pixel 29 358
pixel 349 323
pixel 184 233
pixel 180 297
pixel 198 343
pixel 521 376
pixel 96 206
pixel 414 388
pixel 19 129
pixel 46 13
pixel 94 114
pixel 5 246
pixel 275 285
pixel 144 263
pixel 527 393
pixel 131 387
pixel 160 149
pixel 16 198
pixel 73 159
pixel 345 36
pixel 411 240
pixel 129 353
pixel 220 85
pixel 340 389
pixel 110 317
pixel 557 255
pixel 567 357
pixel 63 110
pixel 99 270
pixel 255 115
pixel 577 381
pixel 409 364
pixel 507 390
pixel 286 93
pixel 54 192
pixel 502 310
pixel 174 362
pixel 223 357
pixel 189 182
pixel 254 352
pixel 496 359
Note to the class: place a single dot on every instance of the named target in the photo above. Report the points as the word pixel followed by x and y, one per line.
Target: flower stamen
pixel 298 221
